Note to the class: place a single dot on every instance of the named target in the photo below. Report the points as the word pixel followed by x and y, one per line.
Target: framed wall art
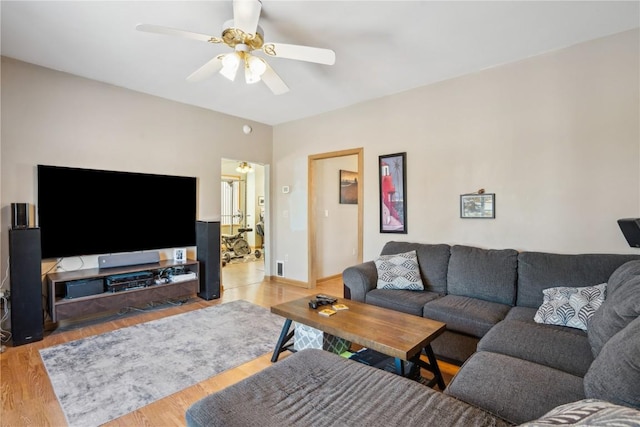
pixel 180 255
pixel 348 187
pixel 478 205
pixel 393 196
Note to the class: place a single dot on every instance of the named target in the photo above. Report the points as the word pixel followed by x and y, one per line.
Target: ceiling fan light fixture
pixel 254 68
pixel 230 65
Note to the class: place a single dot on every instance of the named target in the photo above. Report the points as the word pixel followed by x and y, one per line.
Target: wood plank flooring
pixel 28 398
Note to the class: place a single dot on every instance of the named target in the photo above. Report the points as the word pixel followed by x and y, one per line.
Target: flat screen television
pixel 88 211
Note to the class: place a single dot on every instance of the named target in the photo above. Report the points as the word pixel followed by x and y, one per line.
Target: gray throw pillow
pixel 399 271
pixel 615 374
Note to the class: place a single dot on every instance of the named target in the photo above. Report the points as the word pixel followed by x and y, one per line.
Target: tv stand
pixel 61 307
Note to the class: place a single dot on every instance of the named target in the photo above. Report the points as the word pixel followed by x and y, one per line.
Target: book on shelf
pixel 326 312
pixel 339 307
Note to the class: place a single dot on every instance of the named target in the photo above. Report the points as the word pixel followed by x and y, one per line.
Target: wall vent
pixel 280 268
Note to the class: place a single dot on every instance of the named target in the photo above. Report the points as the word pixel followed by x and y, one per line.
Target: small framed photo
pixel 180 254
pixel 478 205
pixel 348 187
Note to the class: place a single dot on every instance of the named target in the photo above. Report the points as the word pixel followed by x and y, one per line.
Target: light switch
pixel 326 213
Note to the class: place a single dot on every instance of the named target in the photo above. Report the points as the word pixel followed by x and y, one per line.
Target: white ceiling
pixel 382 47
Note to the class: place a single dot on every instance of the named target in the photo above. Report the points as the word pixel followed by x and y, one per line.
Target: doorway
pixel 316 212
pixel 242 222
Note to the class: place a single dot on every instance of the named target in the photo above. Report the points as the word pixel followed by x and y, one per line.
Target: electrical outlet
pixel 286 257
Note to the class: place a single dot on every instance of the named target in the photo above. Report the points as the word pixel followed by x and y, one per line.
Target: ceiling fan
pixel 245 36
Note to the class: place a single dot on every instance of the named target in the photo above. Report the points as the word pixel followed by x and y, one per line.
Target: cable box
pixel 128 277
pixel 127 281
pixel 133 284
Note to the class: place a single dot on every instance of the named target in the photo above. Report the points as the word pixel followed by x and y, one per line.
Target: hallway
pixel 242 272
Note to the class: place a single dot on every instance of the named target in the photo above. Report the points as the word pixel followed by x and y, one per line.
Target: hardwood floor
pixel 28 398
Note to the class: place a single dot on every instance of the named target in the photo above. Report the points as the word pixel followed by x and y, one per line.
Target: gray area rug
pixel 100 378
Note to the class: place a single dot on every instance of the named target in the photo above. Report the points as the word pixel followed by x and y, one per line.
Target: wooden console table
pixel 63 308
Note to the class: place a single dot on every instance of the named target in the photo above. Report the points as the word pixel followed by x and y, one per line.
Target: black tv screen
pixel 88 212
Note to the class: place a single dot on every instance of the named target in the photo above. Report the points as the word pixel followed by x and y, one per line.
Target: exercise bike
pixel 236 246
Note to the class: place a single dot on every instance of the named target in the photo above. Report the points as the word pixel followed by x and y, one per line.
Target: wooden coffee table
pixel 396 334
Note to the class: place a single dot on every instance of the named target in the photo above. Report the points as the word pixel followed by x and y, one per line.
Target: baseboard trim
pixel 286 281
pixel 328 278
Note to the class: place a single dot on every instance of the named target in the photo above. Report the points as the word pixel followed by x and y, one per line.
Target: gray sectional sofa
pixel 472 289
pixel 513 366
pixel 514 369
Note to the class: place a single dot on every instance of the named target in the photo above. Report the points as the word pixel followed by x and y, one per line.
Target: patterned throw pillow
pixel 588 412
pixel 572 307
pixel 399 271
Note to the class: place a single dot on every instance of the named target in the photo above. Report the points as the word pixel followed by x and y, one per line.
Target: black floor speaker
pixel 25 264
pixel 208 255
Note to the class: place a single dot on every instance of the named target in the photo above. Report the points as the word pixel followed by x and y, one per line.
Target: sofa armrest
pixel 360 279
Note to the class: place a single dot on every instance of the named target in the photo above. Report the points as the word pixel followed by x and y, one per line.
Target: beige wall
pixel 556 137
pixel 49 117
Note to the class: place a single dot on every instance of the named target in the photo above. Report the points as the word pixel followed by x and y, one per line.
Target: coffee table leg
pixel 285 336
pixel 435 369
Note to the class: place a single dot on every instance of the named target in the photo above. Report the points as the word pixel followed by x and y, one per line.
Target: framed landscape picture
pixel 393 197
pixel 348 187
pixel 478 205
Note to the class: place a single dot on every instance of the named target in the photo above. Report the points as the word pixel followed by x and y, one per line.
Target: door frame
pixel 311 206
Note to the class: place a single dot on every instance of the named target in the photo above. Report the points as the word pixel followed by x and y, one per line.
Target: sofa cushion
pixel 464 314
pixel 399 271
pixel 540 270
pixel 318 388
pixel 587 412
pixel 615 373
pixel 511 388
pixel 405 301
pixel 526 314
pixel 550 346
pixel 433 261
pixel 618 310
pixel 487 274
pixel 572 307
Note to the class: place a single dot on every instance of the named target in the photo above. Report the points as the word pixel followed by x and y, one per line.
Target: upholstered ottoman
pixel 318 388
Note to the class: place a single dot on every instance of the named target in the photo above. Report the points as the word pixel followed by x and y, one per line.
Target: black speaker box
pixel 25 265
pixel 208 255
pixel 631 229
pixel 19 215
pixel 83 288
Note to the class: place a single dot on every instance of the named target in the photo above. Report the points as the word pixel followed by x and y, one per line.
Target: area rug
pixel 100 378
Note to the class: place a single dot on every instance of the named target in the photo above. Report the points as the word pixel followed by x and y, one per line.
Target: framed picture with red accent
pixel 393 193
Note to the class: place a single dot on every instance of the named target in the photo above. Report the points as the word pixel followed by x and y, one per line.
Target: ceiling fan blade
pixel 246 14
pixel 274 82
pixel 301 53
pixel 206 70
pixel 149 28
